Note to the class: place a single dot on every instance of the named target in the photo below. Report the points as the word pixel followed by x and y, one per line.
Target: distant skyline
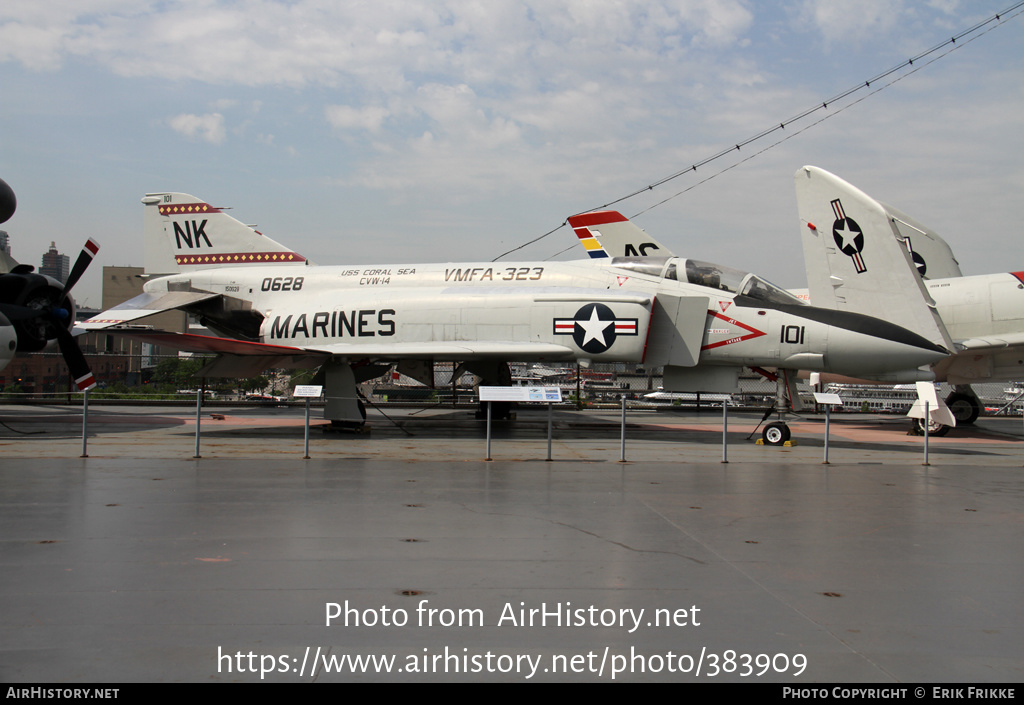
pixel 402 131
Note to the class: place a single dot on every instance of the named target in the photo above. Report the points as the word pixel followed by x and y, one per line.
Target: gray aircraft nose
pixel 879 352
pixel 859 345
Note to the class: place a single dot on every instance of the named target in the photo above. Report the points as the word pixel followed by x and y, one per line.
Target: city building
pixel 55 264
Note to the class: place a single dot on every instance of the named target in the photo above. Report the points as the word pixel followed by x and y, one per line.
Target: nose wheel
pixel 775 434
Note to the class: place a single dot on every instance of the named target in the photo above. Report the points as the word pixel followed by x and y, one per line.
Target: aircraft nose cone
pixel 880 350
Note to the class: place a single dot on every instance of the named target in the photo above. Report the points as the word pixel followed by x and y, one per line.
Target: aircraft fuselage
pixel 585 310
pixel 989 306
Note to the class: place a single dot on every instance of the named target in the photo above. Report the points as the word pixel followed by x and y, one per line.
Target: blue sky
pixel 396 131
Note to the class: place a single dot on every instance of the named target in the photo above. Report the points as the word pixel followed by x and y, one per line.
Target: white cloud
pixel 263 42
pixel 209 127
pixel 843 25
pixel 38 48
pixel 344 117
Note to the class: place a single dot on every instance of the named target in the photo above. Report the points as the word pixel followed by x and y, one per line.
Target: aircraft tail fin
pixel 856 259
pixel 611 234
pixel 183 233
pixel 932 255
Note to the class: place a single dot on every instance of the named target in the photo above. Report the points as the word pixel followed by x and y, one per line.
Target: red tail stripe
pixel 597 218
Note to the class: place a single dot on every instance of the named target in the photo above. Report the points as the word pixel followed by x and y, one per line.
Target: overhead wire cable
pixel 999 19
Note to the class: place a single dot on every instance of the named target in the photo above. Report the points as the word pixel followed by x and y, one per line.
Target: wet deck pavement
pixel 140 563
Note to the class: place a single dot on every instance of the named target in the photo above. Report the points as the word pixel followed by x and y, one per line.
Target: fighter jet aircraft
pixel 847 234
pixel 36 310
pixel 269 307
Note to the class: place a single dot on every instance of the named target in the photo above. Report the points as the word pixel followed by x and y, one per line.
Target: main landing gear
pixel 964 405
pixel 934 428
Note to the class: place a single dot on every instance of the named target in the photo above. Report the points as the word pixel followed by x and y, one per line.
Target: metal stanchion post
pixel 927 421
pixel 725 431
pixel 827 408
pixel 85 423
pixel 549 432
pixel 622 435
pixel 489 430
pixel 306 454
pixel 199 410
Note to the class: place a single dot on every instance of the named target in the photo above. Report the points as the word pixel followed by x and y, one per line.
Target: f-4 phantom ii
pixel 269 307
pixel 36 310
pixel 847 235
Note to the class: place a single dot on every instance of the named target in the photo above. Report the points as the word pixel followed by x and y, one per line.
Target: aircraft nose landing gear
pixel 775 434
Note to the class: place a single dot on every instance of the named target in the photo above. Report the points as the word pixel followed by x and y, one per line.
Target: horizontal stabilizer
pixel 208 344
pixel 142 306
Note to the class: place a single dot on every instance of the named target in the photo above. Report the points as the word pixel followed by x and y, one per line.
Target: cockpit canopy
pixel 714 276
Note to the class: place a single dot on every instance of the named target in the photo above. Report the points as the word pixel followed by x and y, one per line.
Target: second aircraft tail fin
pixel 856 260
pixel 932 255
pixel 611 234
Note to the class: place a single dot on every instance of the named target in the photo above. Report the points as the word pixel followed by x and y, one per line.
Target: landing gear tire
pixel 775 434
pixel 964 407
pixel 934 428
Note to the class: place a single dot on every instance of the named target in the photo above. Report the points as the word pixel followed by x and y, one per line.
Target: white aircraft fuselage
pixel 546 310
pixel 701 322
pixel 986 307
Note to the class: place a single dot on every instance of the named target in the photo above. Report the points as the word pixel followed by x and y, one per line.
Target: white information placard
pixel 551 395
pixel 828 399
pixel 308 390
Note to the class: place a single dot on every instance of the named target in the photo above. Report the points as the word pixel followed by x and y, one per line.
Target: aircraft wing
pixel 503 349
pixel 204 343
pixel 992 342
pixel 983 359
pixel 396 351
pixel 142 306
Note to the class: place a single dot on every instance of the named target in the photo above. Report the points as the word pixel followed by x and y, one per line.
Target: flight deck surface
pixel 142 563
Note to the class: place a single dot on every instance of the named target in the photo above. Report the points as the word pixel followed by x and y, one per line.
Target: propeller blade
pixel 81 264
pixel 75 360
